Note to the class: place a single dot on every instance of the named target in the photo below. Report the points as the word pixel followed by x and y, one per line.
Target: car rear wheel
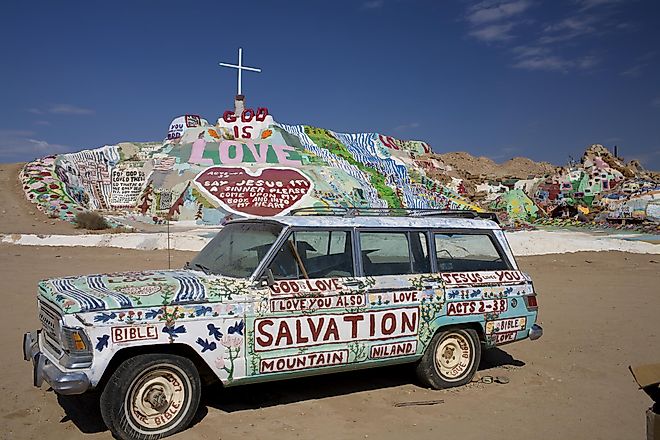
pixel 151 396
pixel 451 359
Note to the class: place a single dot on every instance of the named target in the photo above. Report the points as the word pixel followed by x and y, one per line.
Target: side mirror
pixel 267 279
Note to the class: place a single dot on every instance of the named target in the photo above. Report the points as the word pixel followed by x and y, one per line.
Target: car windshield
pixel 237 249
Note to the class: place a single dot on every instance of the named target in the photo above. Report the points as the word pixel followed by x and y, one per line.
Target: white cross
pixel 240 67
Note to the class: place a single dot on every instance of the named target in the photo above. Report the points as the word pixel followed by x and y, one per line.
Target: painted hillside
pixel 245 164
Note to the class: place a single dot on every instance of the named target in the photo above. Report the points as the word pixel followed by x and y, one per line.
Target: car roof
pixel 326 221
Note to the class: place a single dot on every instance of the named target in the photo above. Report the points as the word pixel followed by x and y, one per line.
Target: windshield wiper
pixel 203 268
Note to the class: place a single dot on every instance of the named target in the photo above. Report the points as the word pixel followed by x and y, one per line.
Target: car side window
pixel 284 266
pixel 467 253
pixel 394 253
pixel 314 254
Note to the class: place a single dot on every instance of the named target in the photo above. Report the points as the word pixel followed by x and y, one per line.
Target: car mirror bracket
pixel 267 279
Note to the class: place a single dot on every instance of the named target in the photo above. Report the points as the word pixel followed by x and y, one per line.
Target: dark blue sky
pixel 500 79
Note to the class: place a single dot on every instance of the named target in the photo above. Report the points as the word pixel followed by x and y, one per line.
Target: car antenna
pixel 169 255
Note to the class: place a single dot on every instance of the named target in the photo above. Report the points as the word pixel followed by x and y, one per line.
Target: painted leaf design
pixel 214 331
pixel 105 317
pixel 102 342
pixel 236 328
pixel 206 345
pixel 174 332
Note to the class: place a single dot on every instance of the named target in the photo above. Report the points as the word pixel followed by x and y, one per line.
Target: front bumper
pixel 535 332
pixel 62 382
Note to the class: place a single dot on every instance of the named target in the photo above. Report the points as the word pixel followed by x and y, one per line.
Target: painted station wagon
pixel 276 298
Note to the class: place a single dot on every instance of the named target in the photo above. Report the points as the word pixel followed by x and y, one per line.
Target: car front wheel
pixel 151 396
pixel 451 359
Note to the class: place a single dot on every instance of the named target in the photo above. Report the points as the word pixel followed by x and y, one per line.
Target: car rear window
pixel 467 253
pixel 394 253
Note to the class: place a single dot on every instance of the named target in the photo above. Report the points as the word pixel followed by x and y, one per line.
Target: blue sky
pixel 541 79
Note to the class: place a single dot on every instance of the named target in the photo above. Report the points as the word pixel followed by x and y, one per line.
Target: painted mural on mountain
pixel 246 164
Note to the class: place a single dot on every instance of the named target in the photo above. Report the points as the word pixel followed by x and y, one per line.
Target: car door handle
pixel 437 280
pixel 352 283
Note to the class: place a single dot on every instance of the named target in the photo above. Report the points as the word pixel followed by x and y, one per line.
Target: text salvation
pixel 303 331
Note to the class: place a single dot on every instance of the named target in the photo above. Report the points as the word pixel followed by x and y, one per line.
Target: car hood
pixel 125 290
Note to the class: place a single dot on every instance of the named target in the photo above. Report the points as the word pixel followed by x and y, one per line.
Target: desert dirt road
pixel 600 312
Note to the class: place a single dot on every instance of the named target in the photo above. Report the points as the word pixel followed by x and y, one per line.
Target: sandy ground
pixel 599 312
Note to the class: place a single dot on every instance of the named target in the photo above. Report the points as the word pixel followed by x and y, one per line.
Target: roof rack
pixel 341 211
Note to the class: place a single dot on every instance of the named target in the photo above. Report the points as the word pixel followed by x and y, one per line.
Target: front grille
pixel 49 320
pixel 50 324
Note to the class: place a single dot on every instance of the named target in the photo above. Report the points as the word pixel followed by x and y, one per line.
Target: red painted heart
pixel 271 191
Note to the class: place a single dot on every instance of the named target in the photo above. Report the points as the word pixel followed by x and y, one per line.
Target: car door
pixel 404 295
pixel 223 296
pixel 315 305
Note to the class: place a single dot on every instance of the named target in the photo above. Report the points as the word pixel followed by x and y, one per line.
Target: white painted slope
pixel 187 241
pixel 522 243
pixel 560 242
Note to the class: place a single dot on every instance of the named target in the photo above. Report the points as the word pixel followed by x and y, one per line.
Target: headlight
pixel 77 348
pixel 74 340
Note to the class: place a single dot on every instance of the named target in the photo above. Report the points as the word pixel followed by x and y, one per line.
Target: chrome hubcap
pixel 156 399
pixel 453 357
